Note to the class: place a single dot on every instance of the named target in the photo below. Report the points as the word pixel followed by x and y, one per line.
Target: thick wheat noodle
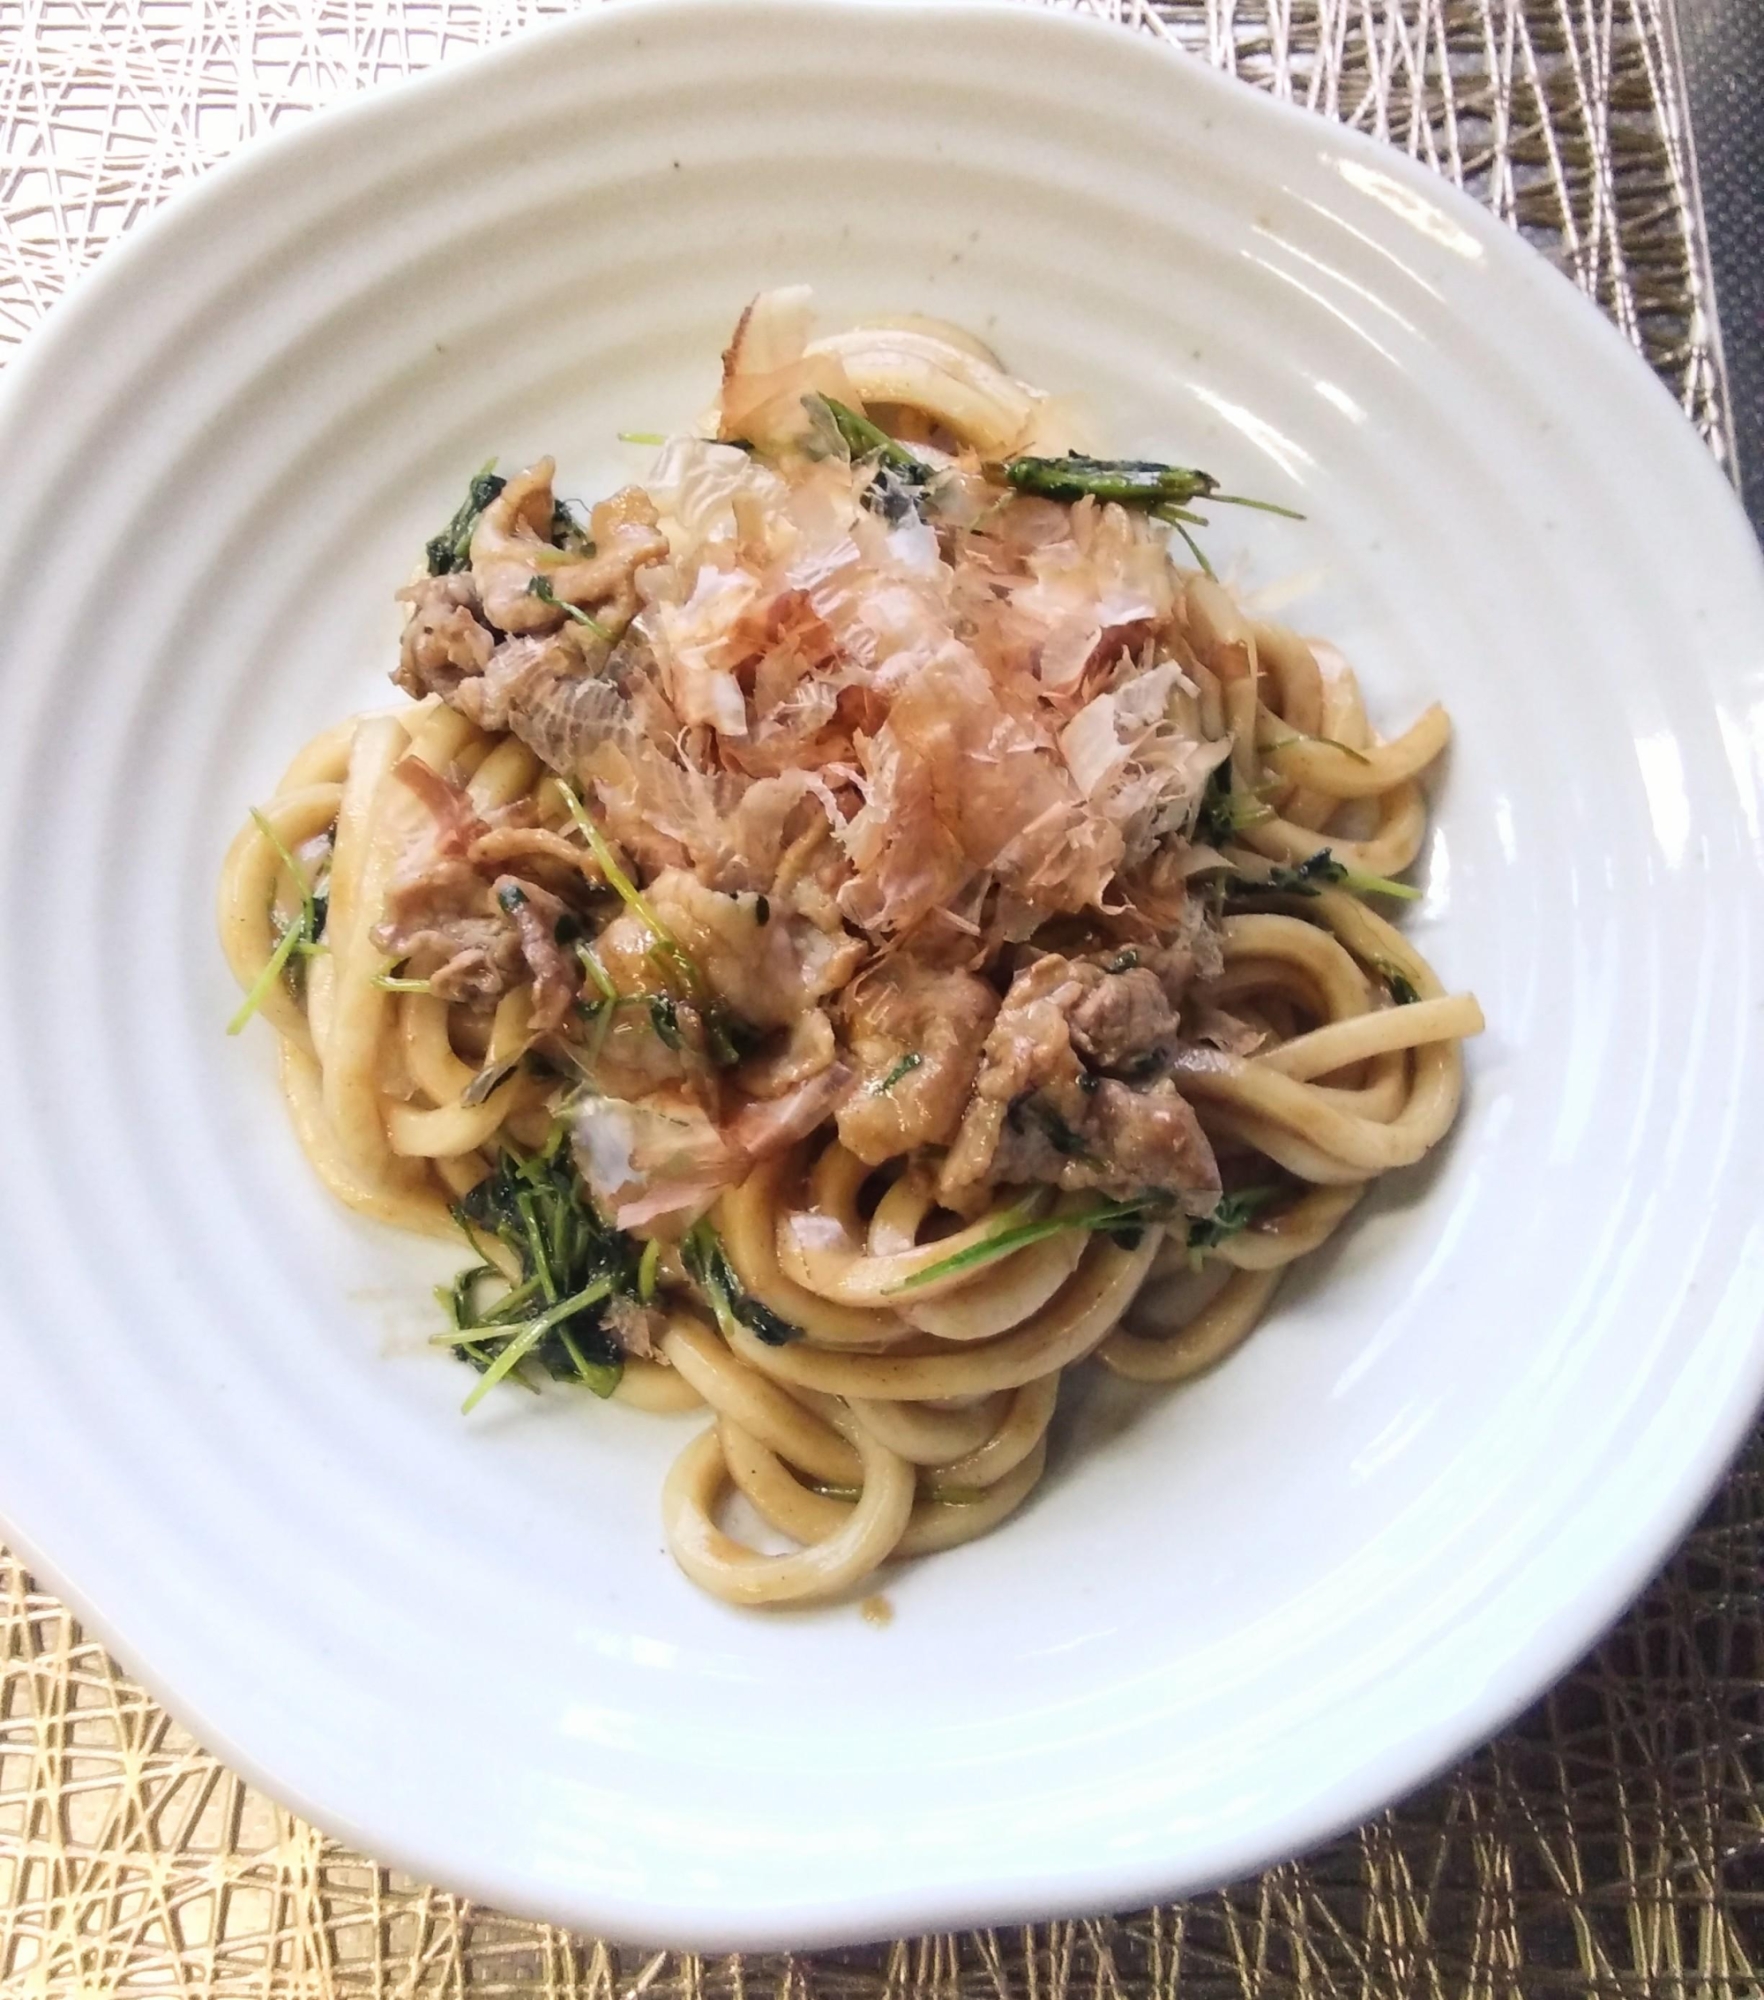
pixel 772 1414
pixel 1292 666
pixel 428 1049
pixel 747 1217
pixel 1214 1331
pixel 360 865
pixel 1357 1142
pixel 505 774
pixel 1356 774
pixel 739 1575
pixel 443 739
pixel 1392 1028
pixel 819 1248
pixel 461 1173
pixel 411 1207
pixel 1340 983
pixel 1366 934
pixel 1402 826
pixel 1230 1123
pixel 769 1485
pixel 928 1434
pixel 657 1390
pixel 971 398
pixel 1380 1093
pixel 1294 1233
pixel 1024 1426
pixel 1343 721
pixel 454 1127
pixel 835 1181
pixel 1248 985
pixel 442 1131
pixel 248 889
pixel 945 1523
pixel 1064 1330
pixel 1002 1299
pixel 321 760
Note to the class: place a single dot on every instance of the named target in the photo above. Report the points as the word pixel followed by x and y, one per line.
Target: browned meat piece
pixel 906 1012
pixel 803 1050
pixel 436 892
pixel 442 924
pixel 767 974
pixel 556 978
pixel 1040 1112
pixel 475 960
pixel 444 640
pixel 511 547
pixel 1123 1023
pixel 1031 1039
pixel 1152 1139
pixel 1191 950
pixel 626 535
pixel 634 1060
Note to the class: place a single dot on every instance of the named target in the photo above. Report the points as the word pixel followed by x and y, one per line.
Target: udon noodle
pixel 857 927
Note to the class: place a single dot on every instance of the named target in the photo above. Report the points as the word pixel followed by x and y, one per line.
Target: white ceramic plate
pixel 1236 1617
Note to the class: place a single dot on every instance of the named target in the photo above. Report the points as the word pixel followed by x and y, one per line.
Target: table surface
pixel 1611 1842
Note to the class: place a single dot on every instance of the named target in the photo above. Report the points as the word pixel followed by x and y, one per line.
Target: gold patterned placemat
pixel 1609 1843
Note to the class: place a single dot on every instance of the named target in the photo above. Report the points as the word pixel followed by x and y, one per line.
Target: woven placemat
pixel 1610 1843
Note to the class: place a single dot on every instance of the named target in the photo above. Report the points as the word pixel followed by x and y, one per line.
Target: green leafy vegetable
pixel 1133 482
pixel 1112 1217
pixel 668 947
pixel 905 1067
pixel 864 439
pixel 300 934
pixel 728 1039
pixel 647 1267
pixel 898 490
pixel 708 1267
pixel 1173 518
pixel 724 1036
pixel 570 1265
pixel 540 587
pixel 567 532
pixel 597 972
pixel 1225 811
pixel 1235 1213
pixel 1322 871
pixel 664 1017
pixel 642 437
pixel 452 548
pixel 1402 988
pixel 1167 492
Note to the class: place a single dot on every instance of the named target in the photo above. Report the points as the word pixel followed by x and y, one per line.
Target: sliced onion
pixel 937 329
pixel 969 396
